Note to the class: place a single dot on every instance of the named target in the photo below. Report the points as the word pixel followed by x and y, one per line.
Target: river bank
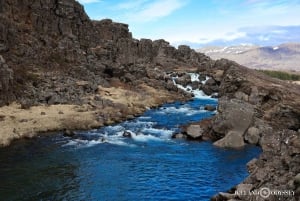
pixel 116 104
pixel 134 159
pixel 257 109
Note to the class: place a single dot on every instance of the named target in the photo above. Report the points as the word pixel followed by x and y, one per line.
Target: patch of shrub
pixel 281 75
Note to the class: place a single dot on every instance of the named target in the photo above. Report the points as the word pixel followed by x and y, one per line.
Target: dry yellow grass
pixel 16 122
pixel 143 98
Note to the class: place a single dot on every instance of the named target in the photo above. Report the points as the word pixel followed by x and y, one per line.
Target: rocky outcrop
pixel 256 109
pixel 53 54
pixel 6 80
pixel 252 136
pixel 232 139
pixel 234 115
pixel 41 40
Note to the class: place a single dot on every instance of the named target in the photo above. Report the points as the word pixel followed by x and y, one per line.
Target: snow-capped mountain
pixel 282 57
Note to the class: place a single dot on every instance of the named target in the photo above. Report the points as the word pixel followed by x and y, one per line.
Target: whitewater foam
pixel 199 94
pixel 162 133
pixel 194 77
pixel 79 143
pixel 140 137
pixel 144 129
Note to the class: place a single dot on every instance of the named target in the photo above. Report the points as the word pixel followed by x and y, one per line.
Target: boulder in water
pixel 234 114
pixel 194 131
pixel 127 134
pixel 179 136
pixel 232 140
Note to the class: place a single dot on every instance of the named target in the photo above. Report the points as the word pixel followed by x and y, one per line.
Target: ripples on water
pixel 148 166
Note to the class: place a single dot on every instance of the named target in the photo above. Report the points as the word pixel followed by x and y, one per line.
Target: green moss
pixel 282 75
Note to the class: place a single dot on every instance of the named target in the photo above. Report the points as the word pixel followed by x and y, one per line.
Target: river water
pixel 101 164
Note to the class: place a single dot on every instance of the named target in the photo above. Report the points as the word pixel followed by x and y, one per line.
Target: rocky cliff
pixel 257 109
pixel 44 40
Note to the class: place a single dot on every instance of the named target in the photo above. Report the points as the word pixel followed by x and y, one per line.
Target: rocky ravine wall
pixel 51 53
pixel 257 109
pixel 44 40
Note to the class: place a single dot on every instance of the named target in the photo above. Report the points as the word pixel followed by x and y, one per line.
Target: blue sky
pixel 204 22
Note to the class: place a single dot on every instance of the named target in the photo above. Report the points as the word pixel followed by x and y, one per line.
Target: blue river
pixel 101 164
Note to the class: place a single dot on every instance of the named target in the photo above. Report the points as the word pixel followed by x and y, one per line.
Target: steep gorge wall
pixel 256 109
pixel 39 37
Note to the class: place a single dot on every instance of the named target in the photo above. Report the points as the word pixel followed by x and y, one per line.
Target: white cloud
pixel 200 35
pixel 134 4
pixel 88 1
pixel 272 12
pixel 233 35
pixel 159 9
pixel 145 10
pixel 263 38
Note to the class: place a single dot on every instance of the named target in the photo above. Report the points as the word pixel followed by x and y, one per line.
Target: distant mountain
pixel 283 57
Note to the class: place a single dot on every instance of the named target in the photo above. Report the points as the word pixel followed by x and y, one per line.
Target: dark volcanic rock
pixel 234 115
pixel 179 136
pixel 6 81
pixel 210 107
pixel 256 108
pixel 45 39
pixel 184 80
pixel 232 139
pixel 6 76
pixel 210 87
pixel 127 134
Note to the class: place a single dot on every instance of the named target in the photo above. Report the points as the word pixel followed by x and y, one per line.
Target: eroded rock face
pixel 259 108
pixel 6 80
pixel 6 75
pixel 232 139
pixel 252 135
pixel 234 115
pixel 44 39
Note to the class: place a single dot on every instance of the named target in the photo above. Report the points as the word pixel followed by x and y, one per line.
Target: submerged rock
pixel 69 133
pixel 210 107
pixel 127 134
pixel 179 136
